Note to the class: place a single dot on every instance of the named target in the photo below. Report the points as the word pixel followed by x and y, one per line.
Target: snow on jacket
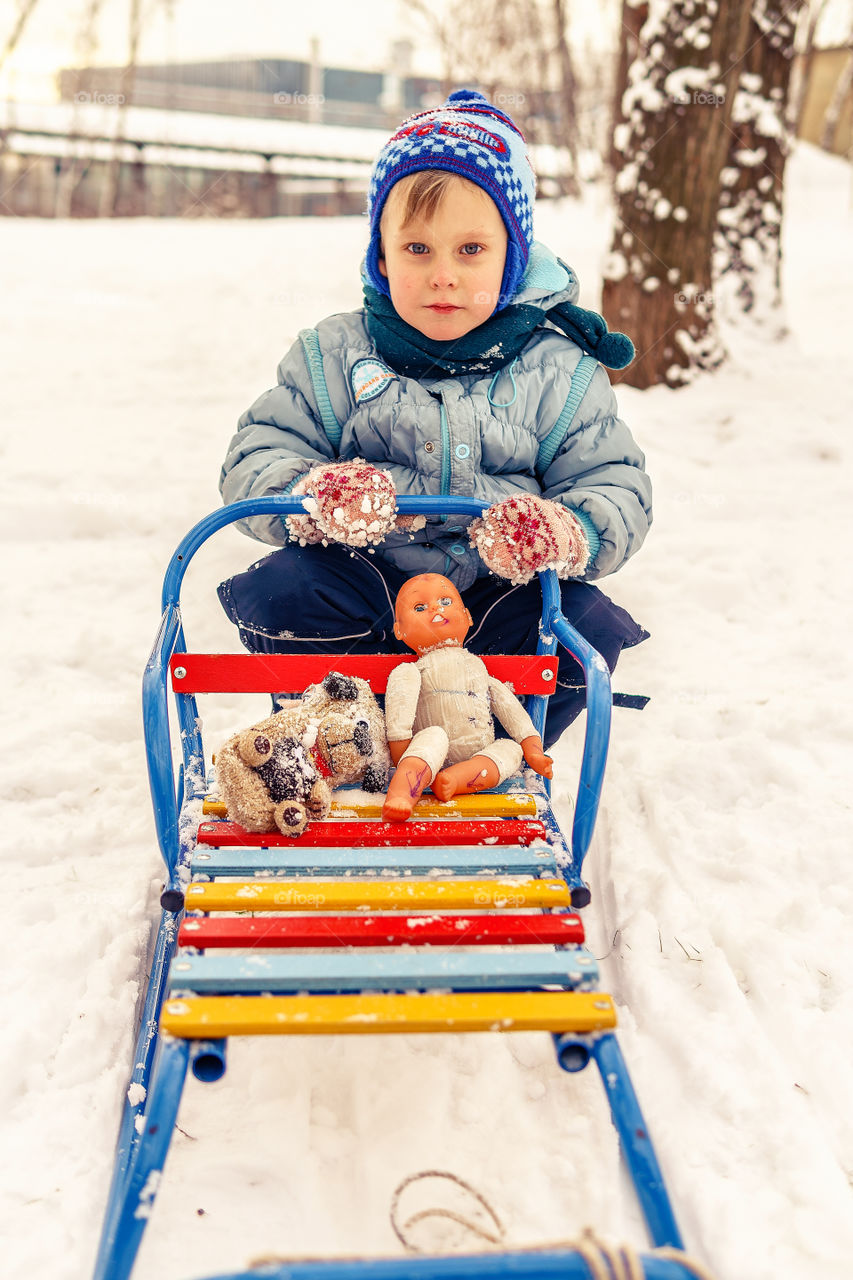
pixel 475 435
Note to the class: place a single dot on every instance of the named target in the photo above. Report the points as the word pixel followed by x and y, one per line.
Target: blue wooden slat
pixel 404 970
pixel 473 859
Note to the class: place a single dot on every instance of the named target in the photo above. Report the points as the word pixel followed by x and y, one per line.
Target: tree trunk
pixel 751 201
pixel 658 280
pixel 634 15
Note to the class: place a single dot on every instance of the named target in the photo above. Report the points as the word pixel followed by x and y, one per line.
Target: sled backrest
pixel 292 673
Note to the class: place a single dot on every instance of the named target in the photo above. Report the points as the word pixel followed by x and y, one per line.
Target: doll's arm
pixel 401 705
pixel 512 715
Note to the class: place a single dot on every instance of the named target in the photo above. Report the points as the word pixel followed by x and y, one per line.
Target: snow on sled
pixel 365 927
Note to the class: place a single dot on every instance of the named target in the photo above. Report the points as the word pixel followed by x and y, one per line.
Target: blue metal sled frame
pixel 161 1063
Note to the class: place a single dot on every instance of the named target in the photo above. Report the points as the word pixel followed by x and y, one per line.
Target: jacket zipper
pixel 445 454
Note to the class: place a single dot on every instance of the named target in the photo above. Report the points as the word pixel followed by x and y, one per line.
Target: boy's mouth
pixel 443 308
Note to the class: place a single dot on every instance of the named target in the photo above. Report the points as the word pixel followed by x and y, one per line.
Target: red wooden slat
pixel 369 835
pixel 292 673
pixel 379 931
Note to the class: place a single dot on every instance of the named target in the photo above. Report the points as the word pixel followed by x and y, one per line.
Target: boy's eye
pixel 417 248
pixel 471 250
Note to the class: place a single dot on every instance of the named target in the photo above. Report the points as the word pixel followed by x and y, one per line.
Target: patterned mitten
pixel 521 535
pixel 349 502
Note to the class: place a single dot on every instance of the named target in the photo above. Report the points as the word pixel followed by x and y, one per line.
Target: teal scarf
pixel 492 344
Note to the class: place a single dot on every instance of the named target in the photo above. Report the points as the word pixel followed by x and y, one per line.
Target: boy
pixel 469 370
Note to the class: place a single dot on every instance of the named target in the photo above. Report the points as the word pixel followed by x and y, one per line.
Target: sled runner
pixel 361 926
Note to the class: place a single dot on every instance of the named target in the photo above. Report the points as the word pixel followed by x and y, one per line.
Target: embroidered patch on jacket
pixel 370 378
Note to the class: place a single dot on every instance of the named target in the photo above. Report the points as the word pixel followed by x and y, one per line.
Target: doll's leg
pixel 423 758
pixel 495 763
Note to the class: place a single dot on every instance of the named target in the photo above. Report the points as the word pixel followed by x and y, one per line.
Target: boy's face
pixel 429 612
pixel 444 272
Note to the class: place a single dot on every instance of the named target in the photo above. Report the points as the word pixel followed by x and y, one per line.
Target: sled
pixel 365 927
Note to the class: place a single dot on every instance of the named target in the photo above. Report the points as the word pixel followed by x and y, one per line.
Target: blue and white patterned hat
pixel 470 137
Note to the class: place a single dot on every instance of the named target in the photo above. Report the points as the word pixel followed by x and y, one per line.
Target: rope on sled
pixel 401 1230
pixel 604 1261
pixel 621 1262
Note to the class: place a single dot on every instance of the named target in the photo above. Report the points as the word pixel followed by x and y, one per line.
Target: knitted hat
pixel 467 136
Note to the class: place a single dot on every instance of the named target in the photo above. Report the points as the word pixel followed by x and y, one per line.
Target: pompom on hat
pixel 470 137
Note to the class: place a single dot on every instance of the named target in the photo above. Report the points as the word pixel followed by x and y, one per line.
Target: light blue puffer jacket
pixel 483 436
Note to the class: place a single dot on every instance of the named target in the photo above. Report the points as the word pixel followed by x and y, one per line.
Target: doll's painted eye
pixel 419 608
pixel 445 602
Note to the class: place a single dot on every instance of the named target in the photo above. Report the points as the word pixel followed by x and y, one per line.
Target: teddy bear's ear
pixel 340 688
pixel 253 747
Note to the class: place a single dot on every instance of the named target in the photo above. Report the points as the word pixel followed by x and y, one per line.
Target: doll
pixel 438 710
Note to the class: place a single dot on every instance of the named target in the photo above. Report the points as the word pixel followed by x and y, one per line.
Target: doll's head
pixel 429 612
pixel 479 145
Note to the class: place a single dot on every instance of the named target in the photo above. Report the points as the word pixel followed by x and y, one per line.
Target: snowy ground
pixel 721 868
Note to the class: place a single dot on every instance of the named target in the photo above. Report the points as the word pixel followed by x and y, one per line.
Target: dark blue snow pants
pixel 319 599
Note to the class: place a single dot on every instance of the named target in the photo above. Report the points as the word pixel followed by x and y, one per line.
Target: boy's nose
pixel 443 274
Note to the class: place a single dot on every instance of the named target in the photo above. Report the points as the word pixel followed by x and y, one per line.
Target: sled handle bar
pixel 554 629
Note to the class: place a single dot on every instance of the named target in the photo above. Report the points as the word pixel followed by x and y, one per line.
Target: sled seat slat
pixel 425 969
pixel 423 860
pixel 484 805
pixel 293 673
pixel 211 1017
pixel 451 894
pixel 359 835
pixel 380 931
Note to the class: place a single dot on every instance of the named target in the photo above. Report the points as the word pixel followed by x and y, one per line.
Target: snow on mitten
pixel 521 535
pixel 349 502
pixel 409 524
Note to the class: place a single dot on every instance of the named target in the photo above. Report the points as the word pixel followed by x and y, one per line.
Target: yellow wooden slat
pixel 478 806
pixel 511 893
pixel 208 1017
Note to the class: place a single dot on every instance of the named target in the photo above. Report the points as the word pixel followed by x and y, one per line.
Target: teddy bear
pixel 280 773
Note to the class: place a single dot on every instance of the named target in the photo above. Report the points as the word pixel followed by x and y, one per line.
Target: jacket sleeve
pixel 598 473
pixel 278 439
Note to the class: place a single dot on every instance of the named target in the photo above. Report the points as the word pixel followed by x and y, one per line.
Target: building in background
pixel 267 88
pixel 826 116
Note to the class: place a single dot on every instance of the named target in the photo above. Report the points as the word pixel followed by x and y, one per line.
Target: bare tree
pixel 519 54
pixel 110 189
pixel 72 167
pixel 678 106
pixel 26 8
pixel 751 200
